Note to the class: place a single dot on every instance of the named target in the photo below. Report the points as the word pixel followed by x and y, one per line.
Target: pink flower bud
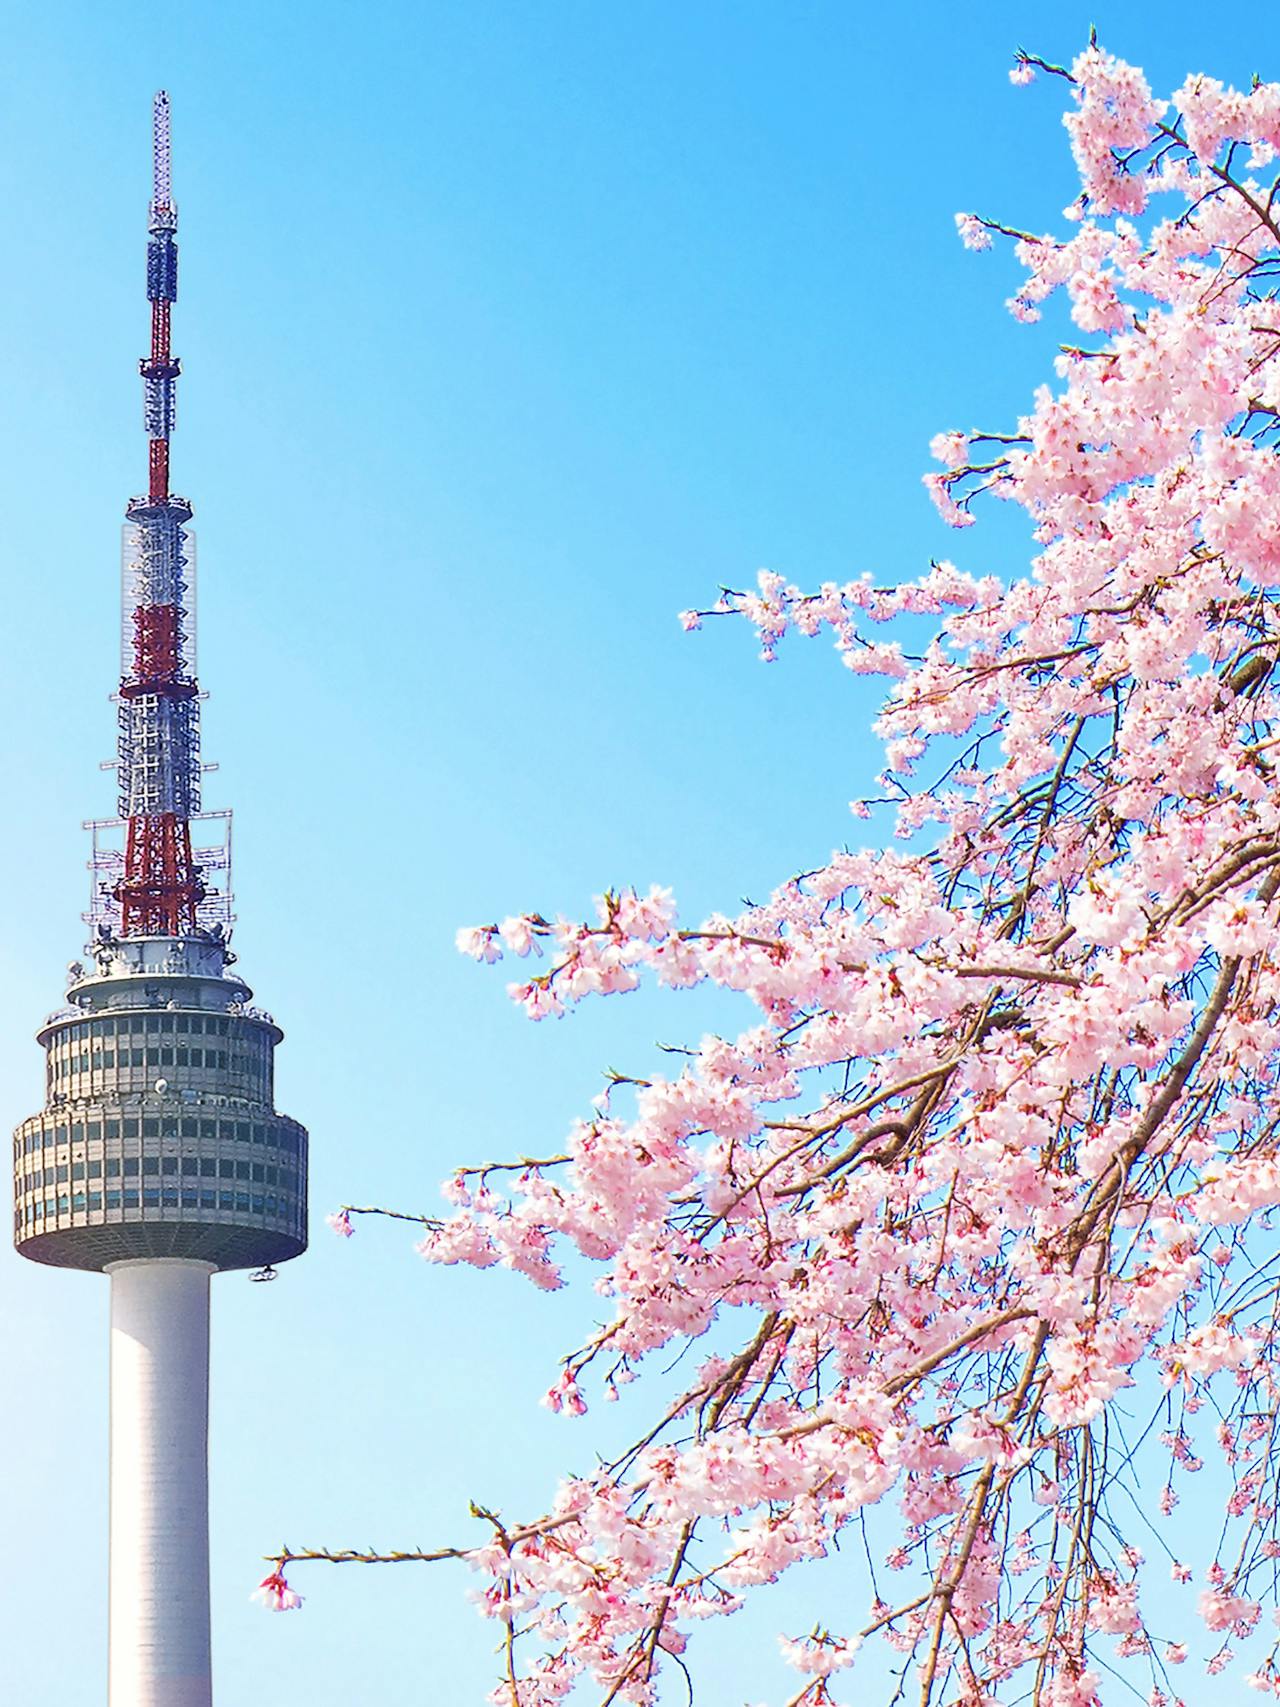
pixel 276 1595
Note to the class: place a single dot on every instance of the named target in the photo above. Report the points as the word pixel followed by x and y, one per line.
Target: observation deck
pixel 159 1136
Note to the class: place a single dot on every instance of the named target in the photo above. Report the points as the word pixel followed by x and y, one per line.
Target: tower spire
pixel 161 887
pixel 160 371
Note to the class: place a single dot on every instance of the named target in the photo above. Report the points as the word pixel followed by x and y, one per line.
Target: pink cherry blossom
pixel 818 1656
pixel 566 1396
pixel 950 449
pixel 479 943
pixel 973 233
pixel 275 1594
pixel 967 1214
pixel 520 935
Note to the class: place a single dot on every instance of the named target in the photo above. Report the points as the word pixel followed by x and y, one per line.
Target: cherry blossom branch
pixel 996 1140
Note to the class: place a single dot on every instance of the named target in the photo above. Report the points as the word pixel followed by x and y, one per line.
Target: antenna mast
pixel 155 885
pixel 160 373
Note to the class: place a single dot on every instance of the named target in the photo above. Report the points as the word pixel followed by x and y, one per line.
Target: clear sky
pixel 508 331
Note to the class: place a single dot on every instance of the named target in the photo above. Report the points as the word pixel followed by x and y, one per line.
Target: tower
pixel 158 1157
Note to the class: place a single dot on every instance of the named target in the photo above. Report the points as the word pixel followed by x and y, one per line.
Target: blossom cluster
pixel 992 1158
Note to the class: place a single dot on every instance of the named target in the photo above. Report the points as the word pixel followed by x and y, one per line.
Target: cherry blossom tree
pixel 974 1217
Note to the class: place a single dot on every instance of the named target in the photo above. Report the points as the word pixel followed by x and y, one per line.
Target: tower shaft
pixel 159 1651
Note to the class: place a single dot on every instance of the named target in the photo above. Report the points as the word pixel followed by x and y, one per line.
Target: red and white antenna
pixel 158 883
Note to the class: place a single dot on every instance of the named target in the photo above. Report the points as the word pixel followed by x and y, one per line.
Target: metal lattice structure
pixel 210 851
pixel 160 888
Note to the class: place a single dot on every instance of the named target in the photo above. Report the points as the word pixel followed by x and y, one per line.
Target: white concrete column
pixel 159 1605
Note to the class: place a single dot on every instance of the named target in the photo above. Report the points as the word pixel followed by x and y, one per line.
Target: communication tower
pixel 159 1157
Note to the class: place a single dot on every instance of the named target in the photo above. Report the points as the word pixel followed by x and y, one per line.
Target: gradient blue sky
pixel 507 332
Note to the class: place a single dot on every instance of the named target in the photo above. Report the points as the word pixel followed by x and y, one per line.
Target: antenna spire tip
pixel 161 193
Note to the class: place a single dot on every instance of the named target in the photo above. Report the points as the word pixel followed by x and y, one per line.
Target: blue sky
pixel 507 332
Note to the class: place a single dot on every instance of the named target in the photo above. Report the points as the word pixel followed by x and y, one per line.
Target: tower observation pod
pixel 159 1157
